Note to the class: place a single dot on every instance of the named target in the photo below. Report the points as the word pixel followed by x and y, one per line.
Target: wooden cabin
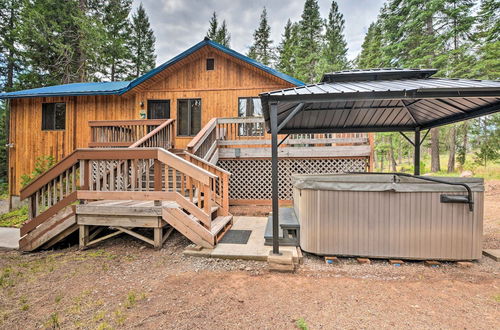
pixel 201 108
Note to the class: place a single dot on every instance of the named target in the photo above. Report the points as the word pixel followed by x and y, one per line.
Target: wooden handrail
pixel 152 133
pixel 131 122
pixel 168 158
pixel 49 175
pixel 195 143
pixel 208 164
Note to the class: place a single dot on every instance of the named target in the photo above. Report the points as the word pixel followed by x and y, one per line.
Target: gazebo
pixel 376 100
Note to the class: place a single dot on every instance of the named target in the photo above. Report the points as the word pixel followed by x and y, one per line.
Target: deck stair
pixel 124 189
pixel 289 228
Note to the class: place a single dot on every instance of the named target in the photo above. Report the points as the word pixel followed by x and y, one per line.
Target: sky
pixel 179 24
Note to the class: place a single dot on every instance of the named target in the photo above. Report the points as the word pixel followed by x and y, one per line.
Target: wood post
pixel 84 236
pixel 158 237
pixel 157 178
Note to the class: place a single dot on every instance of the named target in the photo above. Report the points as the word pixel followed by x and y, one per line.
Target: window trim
pixel 53 129
pixel 189 116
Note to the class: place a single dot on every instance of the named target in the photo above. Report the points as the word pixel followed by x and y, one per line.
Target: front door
pixel 158 109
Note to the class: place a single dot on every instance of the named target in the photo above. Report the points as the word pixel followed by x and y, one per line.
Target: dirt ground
pixel 123 284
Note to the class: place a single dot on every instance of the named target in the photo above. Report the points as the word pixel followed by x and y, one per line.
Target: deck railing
pixel 94 174
pixel 125 133
pixel 251 133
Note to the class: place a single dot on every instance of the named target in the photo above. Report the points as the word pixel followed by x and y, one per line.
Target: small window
pixel 250 107
pixel 53 116
pixel 189 117
pixel 158 109
pixel 210 64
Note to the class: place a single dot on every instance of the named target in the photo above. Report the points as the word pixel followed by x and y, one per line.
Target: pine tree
pixel 142 43
pixel 310 43
pixel 223 36
pixel 371 55
pixel 9 55
pixel 261 50
pixel 117 65
pixel 218 34
pixel 335 50
pixel 213 27
pixel 56 37
pixel 287 48
pixel 487 40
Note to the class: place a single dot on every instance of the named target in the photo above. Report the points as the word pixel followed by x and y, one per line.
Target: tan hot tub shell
pixel 382 216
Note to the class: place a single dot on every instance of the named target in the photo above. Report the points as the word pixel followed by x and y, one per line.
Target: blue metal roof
pixel 91 88
pixel 121 87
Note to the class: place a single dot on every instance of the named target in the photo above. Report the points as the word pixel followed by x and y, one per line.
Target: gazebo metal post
pixel 273 114
pixel 416 158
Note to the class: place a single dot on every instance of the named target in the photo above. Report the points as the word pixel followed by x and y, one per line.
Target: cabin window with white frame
pixel 250 107
pixel 53 116
pixel 188 117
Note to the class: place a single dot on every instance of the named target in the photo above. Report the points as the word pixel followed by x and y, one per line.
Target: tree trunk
pixel 381 162
pixel 391 154
pixel 10 60
pixel 80 51
pixel 435 164
pixel 462 156
pixel 452 146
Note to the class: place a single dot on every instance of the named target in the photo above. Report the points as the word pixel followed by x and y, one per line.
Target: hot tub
pixel 389 216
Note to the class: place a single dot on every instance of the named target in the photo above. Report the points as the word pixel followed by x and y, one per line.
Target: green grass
pixel 4 190
pixel 489 172
pixel 14 218
pixel 301 324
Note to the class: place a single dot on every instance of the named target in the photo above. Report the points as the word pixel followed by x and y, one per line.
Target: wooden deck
pixel 150 185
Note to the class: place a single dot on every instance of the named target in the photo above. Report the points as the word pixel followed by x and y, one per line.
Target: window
pixel 53 116
pixel 189 117
pixel 210 64
pixel 250 107
pixel 158 109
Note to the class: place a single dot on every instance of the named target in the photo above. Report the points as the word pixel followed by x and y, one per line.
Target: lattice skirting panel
pixel 251 178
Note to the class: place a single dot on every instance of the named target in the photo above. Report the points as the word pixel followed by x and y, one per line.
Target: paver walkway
pixel 9 238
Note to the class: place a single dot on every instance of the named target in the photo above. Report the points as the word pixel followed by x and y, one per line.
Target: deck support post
pixel 84 236
pixel 273 113
pixel 158 237
pixel 416 158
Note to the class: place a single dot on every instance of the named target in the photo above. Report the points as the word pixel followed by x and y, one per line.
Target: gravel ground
pixel 123 284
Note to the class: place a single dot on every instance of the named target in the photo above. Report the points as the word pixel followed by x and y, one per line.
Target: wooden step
pixel 220 226
pixel 189 227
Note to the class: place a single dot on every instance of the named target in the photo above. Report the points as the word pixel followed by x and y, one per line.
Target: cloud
pixel 179 24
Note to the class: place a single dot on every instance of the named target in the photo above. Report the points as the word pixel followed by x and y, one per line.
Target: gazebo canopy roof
pixel 380 100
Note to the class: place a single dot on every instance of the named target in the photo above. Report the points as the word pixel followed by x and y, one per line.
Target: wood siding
pixel 218 90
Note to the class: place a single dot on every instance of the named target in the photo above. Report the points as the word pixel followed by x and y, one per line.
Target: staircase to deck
pixel 184 192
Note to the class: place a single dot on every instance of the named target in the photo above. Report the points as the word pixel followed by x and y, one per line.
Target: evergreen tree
pixel 261 49
pixel 9 55
pixel 218 34
pixel 56 37
pixel 371 55
pixel 335 50
pixel 487 40
pixel 142 43
pixel 213 27
pixel 286 62
pixel 116 53
pixel 309 43
pixel 223 36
